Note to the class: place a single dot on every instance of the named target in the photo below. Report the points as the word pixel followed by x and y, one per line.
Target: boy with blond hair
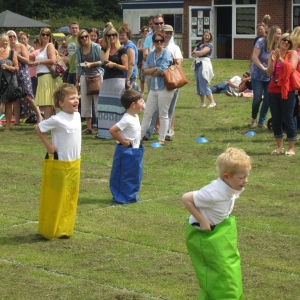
pixel 211 231
pixel 65 126
pixel 61 175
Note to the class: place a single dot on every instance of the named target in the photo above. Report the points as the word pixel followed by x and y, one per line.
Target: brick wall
pixel 280 16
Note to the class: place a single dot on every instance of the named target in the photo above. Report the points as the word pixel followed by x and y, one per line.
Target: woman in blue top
pixel 159 97
pixel 259 78
pixel 88 64
pixel 203 69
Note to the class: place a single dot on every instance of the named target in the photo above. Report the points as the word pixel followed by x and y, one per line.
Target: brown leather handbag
pixel 93 84
pixel 174 77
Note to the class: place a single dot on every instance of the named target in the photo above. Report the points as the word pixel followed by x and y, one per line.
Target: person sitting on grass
pixel 211 234
pixel 126 173
pixel 235 85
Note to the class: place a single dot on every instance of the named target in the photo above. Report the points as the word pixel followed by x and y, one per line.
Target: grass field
pixel 138 251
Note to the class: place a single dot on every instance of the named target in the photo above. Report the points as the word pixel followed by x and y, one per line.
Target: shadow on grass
pixel 22 239
pixel 101 202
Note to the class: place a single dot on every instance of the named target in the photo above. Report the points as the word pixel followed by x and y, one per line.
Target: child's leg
pixel 17 111
pixel 8 114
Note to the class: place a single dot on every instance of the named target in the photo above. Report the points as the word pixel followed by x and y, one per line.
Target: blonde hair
pixel 4 36
pixel 270 43
pixel 285 35
pixel 62 91
pixel 79 43
pixel 231 160
pixel 47 31
pixel 110 30
pixel 295 37
pixel 17 41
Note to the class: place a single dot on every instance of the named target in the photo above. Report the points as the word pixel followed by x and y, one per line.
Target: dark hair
pixel 94 30
pixel 129 97
pixel 159 16
pixel 150 18
pixel 157 34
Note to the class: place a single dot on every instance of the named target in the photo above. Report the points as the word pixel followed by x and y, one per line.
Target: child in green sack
pixel 211 231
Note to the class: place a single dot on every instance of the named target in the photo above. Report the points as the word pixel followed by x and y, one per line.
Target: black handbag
pixel 15 88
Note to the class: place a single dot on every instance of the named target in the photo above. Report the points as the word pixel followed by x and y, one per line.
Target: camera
pixel 105 63
pixel 275 79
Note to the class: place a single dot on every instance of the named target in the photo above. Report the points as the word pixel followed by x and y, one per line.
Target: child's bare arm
pixel 50 148
pixel 114 131
pixel 188 201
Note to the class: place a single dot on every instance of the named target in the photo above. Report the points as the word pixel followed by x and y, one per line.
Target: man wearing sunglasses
pixel 71 49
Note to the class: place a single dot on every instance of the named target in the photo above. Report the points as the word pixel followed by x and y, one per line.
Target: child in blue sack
pixel 61 167
pixel 126 173
pixel 211 234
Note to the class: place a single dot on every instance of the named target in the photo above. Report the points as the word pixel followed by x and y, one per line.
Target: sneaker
pixel 252 124
pixel 237 94
pixel 229 94
pixel 261 126
pixel 168 138
pixel 155 131
pixel 145 139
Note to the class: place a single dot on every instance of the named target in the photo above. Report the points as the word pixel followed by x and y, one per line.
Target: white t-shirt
pixel 236 80
pixel 66 134
pixel 130 129
pixel 215 201
pixel 175 50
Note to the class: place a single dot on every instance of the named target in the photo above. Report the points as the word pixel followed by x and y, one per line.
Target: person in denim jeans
pixel 260 79
pixel 282 98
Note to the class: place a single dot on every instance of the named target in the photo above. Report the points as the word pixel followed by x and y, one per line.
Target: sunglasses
pixel 45 34
pixel 84 37
pixel 110 35
pixel 158 41
pixel 158 23
pixel 12 36
pixel 286 40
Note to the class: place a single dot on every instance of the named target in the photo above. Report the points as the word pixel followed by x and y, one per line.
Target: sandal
pixel 289 153
pixel 276 152
pixel 87 131
pixel 212 105
pixel 202 105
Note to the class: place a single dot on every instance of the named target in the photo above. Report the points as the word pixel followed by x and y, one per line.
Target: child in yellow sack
pixel 61 175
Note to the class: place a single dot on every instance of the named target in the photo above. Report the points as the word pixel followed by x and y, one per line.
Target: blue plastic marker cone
pixel 202 139
pixel 156 145
pixel 250 133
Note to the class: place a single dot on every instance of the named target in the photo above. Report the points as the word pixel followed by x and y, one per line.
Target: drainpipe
pixel 284 14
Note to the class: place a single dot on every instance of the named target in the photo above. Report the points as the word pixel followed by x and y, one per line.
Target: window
pixel 174 20
pixel 296 13
pixel 245 2
pixel 245 20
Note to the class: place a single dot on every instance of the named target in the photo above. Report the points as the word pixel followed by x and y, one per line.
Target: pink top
pixel 32 70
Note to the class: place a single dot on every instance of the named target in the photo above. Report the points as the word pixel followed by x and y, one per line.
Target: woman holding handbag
pixel 89 74
pixel 9 66
pixel 281 63
pixel 159 97
pixel 46 84
pixel 25 105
